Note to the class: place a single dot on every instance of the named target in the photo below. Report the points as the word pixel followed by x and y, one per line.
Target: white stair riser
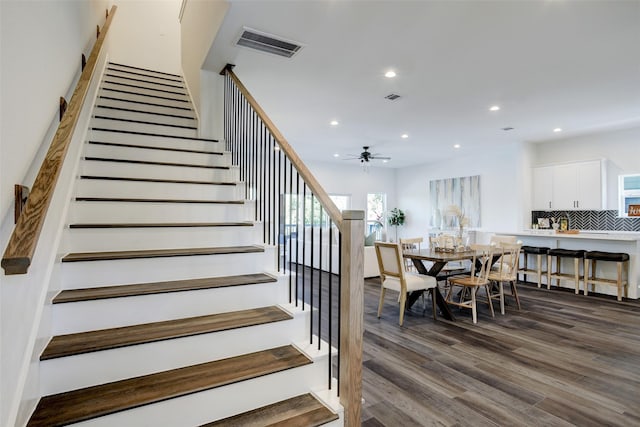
pixel 132 96
pixel 121 78
pixel 156 190
pixel 115 101
pixel 69 373
pixel 173 94
pixel 146 212
pixel 123 239
pixel 144 74
pixel 146 154
pixel 222 402
pixel 156 141
pixel 104 273
pixel 144 117
pixel 114 312
pixel 141 127
pixel 132 170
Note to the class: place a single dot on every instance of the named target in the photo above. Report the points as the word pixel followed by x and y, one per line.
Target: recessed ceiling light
pixel 404 136
pixel 334 123
pixel 390 74
pixel 456 146
pixel 557 130
pixel 336 155
pixel 385 161
pixel 494 108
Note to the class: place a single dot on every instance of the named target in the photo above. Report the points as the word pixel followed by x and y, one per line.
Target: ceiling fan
pixel 367 156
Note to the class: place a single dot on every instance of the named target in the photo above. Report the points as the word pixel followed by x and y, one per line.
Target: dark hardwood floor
pixel 562 360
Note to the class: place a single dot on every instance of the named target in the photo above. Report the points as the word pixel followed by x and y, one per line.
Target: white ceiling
pixel 547 63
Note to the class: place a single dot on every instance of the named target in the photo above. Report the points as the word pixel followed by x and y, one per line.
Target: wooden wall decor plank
pixel 22 244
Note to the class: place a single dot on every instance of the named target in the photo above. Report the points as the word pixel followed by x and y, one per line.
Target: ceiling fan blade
pixel 379 158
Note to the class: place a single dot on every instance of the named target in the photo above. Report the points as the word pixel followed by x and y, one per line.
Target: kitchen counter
pixel 591 240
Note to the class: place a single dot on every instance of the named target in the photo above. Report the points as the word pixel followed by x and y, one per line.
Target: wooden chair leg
pixel 514 292
pixel 382 292
pixel 403 300
pixel 474 314
pixel 433 302
pixel 489 299
pixel 501 298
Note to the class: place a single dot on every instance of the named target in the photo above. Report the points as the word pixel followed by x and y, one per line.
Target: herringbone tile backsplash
pixel 591 220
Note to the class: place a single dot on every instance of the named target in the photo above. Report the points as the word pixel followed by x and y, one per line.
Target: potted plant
pixel 396 218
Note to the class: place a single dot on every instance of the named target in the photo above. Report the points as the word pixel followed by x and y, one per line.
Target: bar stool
pixel 538 252
pixel 577 255
pixel 621 260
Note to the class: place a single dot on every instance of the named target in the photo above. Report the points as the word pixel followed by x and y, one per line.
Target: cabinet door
pixel 565 186
pixel 589 182
pixel 542 188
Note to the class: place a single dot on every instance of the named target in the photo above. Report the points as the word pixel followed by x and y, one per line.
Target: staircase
pixel 171 311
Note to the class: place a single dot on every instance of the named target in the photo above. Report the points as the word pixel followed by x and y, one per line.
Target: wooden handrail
pixel 24 239
pixel 303 171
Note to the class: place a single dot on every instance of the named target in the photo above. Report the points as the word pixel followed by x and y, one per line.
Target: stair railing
pixel 319 248
pixel 24 239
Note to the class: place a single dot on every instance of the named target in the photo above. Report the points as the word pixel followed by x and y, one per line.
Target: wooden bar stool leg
pixel 526 257
pixel 586 275
pixel 539 268
pixel 549 272
pixel 619 281
pixel 576 266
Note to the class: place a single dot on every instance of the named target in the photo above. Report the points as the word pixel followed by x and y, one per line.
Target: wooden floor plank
pixel 300 411
pixel 83 404
pixel 104 339
pixel 158 253
pixel 119 291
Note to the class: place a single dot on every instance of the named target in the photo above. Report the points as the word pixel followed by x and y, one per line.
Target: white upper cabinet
pixel 542 188
pixel 571 186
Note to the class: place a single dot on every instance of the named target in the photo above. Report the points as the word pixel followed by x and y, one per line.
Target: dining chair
pixel 470 284
pixel 505 271
pixel 410 244
pixel 394 277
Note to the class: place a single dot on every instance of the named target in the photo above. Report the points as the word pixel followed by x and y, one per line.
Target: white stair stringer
pixel 114 239
pixel 157 155
pixel 79 371
pixel 86 274
pixel 125 311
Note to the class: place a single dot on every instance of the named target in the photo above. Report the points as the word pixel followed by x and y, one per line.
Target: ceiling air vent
pixel 268 43
pixel 507 128
pixel 392 97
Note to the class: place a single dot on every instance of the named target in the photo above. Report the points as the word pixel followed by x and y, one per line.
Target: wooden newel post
pixel 351 316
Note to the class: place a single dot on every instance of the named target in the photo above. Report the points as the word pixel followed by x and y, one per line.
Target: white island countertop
pixel 627 236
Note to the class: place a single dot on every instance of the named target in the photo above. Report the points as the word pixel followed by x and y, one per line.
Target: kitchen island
pixel 609 241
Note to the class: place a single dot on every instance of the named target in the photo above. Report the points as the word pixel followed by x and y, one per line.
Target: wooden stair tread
pixel 157 180
pixel 132 132
pixel 158 253
pixel 150 147
pixel 86 403
pixel 140 200
pixel 300 411
pixel 148 162
pixel 119 291
pixel 164 225
pixel 104 339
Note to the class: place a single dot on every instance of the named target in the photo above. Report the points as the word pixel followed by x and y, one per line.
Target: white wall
pixel 146 34
pixel 199 26
pixel 620 147
pixel 41 44
pixel 503 193
pixel 350 179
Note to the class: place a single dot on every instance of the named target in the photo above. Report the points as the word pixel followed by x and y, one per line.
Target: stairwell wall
pixel 41 44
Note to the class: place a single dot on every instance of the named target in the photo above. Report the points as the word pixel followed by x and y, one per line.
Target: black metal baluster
pixel 320 282
pixel 311 269
pixel 304 238
pixel 329 317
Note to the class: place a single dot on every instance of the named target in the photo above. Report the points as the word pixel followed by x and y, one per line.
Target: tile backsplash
pixel 591 220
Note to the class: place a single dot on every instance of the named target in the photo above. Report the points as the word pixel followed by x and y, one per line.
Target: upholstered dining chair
pixel 394 277
pixel 506 270
pixel 470 284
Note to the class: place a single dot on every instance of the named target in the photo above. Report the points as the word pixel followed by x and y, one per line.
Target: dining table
pixel 439 259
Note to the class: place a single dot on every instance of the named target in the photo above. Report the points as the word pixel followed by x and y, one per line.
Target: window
pixel 376 214
pixel 629 192
pixel 342 201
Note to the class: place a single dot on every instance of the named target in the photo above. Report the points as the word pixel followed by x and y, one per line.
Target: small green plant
pixel 396 218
